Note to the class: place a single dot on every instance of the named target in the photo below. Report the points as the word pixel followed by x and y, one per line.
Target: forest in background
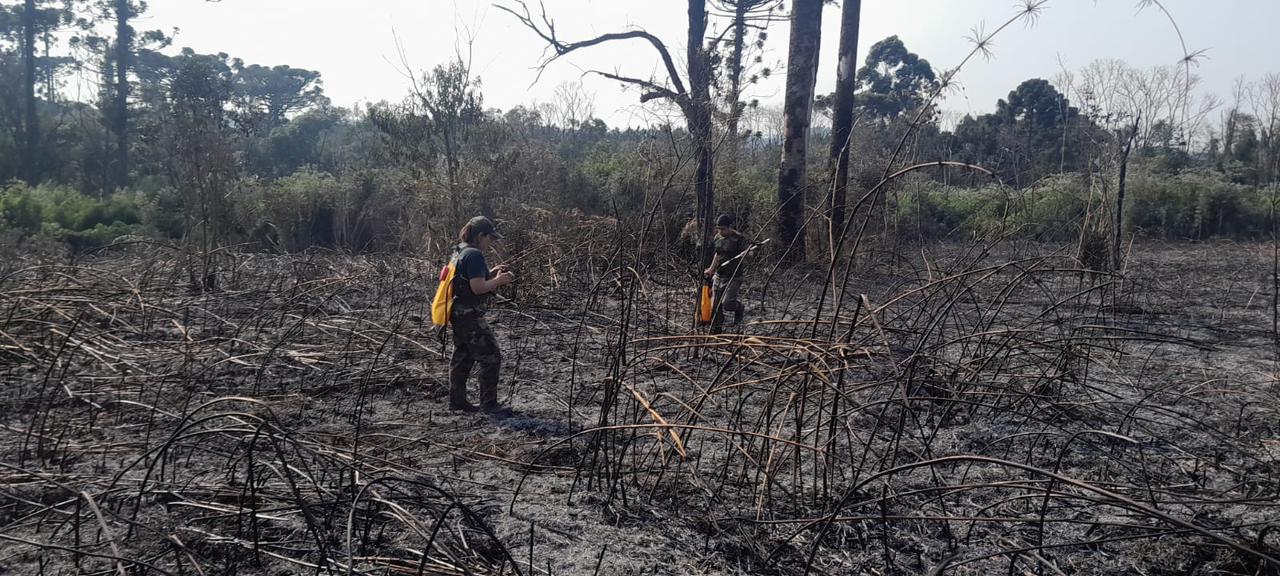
pixel 206 149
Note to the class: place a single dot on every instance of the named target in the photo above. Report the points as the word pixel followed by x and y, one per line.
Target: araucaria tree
pixel 745 17
pixel 118 109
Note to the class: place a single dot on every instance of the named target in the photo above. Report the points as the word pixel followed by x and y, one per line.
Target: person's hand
pixel 709 271
pixel 505 278
pixel 499 269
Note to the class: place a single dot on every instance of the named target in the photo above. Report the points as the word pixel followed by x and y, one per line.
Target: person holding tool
pixel 726 268
pixel 473 283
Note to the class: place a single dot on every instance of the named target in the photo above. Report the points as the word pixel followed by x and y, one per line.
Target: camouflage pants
pixel 473 342
pixel 724 296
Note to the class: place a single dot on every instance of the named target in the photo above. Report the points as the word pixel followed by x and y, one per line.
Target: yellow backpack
pixel 442 305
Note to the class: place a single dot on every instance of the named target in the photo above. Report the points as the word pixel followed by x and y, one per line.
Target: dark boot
pixel 462 406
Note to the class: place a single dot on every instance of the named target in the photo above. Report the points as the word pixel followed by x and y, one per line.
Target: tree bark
pixel 1124 173
pixel 50 86
pixel 842 111
pixel 698 115
pixel 31 117
pixel 735 78
pixel 802 59
pixel 120 105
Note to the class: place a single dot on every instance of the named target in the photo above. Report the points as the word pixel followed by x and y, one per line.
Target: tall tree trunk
pixel 120 107
pixel 842 111
pixel 50 87
pixel 802 64
pixel 1275 275
pixel 1228 137
pixel 1124 173
pixel 698 115
pixel 735 79
pixel 31 118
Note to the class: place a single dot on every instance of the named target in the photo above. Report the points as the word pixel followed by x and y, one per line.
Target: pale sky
pixel 353 44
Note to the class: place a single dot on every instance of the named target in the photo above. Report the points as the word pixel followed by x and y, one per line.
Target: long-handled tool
pixel 744 252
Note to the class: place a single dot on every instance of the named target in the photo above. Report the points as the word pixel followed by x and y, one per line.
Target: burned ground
pixel 965 410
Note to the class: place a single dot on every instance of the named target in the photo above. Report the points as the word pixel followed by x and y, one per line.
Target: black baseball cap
pixel 482 225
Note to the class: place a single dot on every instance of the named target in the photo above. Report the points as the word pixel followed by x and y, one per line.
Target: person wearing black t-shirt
pixel 473 339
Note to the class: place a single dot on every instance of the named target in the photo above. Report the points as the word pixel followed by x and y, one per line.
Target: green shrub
pixel 969 210
pixel 162 210
pixel 1055 207
pixel 99 235
pixel 19 210
pixel 61 213
pixel 1197 205
pixel 301 207
pixel 359 211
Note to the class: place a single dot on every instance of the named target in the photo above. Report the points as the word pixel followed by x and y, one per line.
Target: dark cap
pixel 725 220
pixel 481 225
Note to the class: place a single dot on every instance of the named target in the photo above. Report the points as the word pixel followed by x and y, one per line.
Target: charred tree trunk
pixel 698 115
pixel 1275 274
pixel 842 111
pixel 120 103
pixel 31 117
pixel 1124 173
pixel 802 64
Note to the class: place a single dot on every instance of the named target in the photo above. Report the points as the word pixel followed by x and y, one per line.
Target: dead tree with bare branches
pixel 694 101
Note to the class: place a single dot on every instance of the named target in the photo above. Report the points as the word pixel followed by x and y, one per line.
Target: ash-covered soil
pixel 958 410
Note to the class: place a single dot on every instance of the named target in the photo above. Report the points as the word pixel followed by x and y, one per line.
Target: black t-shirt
pixel 470 264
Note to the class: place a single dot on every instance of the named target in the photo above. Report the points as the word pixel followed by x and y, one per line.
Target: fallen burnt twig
pixel 990 408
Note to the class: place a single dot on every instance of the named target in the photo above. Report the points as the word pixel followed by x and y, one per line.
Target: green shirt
pixel 727 248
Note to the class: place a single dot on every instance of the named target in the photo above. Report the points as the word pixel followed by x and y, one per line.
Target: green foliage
pixel 894 81
pixel 266 95
pixel 357 211
pixel 1033 133
pixel 29 208
pixel 83 222
pixel 162 211
pixel 300 206
pixel 98 236
pixel 19 210
pixel 1053 209
pixel 748 194
pixel 970 209
pixel 1197 205
pixel 323 137
pixel 1190 205
pixel 222 151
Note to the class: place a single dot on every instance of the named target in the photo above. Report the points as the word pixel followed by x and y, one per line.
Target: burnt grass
pixel 961 410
